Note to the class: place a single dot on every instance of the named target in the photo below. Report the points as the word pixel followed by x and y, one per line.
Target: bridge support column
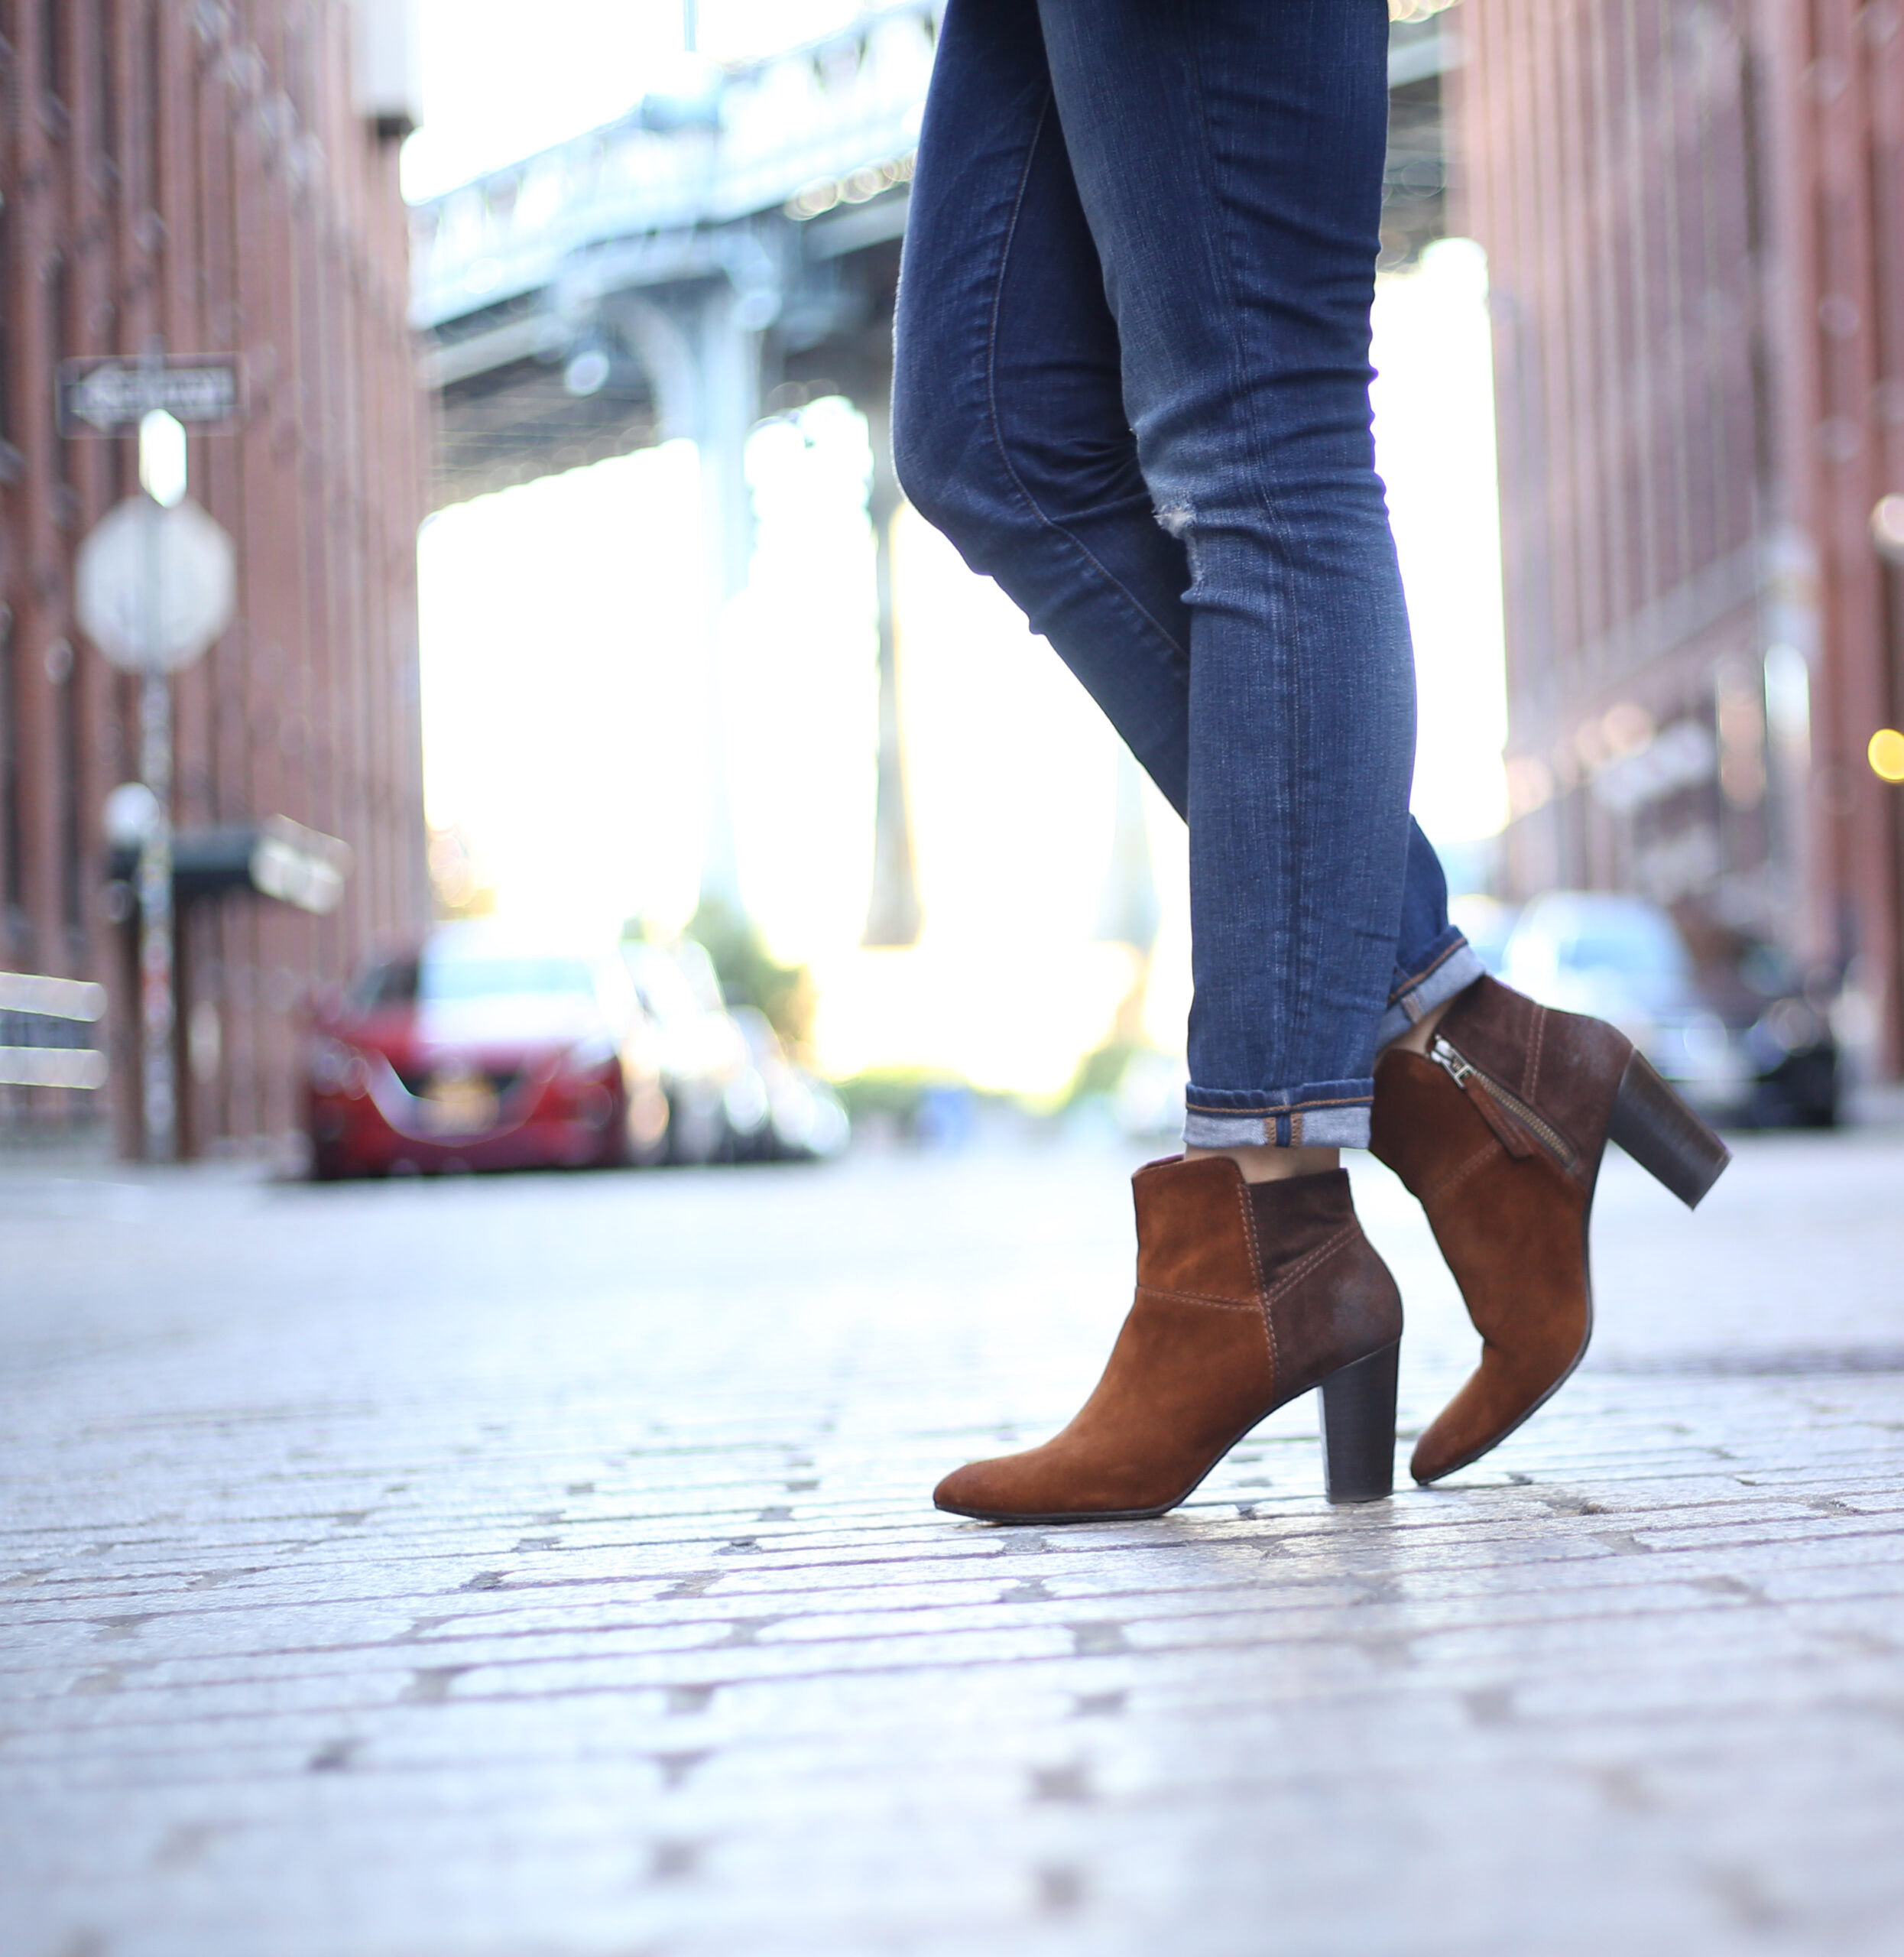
pixel 703 361
pixel 893 911
pixel 728 386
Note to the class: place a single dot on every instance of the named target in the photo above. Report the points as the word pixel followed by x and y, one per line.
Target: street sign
pixel 111 397
pixel 276 858
pixel 300 866
pixel 153 586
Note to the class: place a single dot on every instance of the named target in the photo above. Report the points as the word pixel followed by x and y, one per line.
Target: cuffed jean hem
pixel 1334 1114
pixel 1453 967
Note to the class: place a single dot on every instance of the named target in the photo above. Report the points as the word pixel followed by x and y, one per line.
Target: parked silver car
pixel 1748 1049
pixel 733 1094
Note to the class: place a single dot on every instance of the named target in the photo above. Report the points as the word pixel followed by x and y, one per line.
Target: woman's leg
pixel 1228 158
pixel 1011 434
pixel 1433 961
pixel 1008 431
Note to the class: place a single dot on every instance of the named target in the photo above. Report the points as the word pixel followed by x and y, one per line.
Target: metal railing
pixel 45 1028
pixel 822 115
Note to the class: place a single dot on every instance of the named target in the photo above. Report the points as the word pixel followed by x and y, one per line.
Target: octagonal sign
pixel 153 587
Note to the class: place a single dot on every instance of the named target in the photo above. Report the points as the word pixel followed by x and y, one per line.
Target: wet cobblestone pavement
pixel 544 1567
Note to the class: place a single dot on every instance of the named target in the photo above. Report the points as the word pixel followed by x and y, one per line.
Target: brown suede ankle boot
pixel 1499 1132
pixel 1248 1294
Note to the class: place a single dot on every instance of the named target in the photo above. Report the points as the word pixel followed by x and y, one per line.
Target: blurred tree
pixel 1127 915
pixel 456 880
pixel 748 973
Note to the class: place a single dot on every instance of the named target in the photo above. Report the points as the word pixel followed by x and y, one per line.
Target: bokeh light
pixel 1886 754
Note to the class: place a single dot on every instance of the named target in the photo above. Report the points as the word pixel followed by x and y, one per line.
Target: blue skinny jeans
pixel 1132 386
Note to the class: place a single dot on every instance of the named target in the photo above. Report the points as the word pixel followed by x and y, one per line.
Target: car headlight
pixel 745 1102
pixel 337 1069
pixel 1786 1026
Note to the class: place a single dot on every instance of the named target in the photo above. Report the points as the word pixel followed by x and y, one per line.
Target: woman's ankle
pixel 1265 1164
pixel 1416 1039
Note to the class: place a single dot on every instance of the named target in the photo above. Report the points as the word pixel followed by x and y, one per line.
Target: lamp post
pixel 163 477
pixel 155 583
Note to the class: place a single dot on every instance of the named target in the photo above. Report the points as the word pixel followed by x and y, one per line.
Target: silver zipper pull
pixel 1446 1057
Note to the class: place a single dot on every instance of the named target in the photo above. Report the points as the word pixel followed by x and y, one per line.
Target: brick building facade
pixel 219 176
pixel 1694 213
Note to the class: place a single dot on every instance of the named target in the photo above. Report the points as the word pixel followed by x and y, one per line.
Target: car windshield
pixel 391 984
pixel 443 979
pixel 1631 938
pixel 1485 924
pixel 1645 947
pixel 666 991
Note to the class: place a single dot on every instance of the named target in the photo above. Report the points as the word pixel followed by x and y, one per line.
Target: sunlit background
pixel 562 696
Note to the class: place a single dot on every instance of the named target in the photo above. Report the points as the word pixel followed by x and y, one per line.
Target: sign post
pixel 155 584
pixel 157 1005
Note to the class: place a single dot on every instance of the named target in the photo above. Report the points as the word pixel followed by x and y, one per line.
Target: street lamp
pixel 1887 526
pixel 163 474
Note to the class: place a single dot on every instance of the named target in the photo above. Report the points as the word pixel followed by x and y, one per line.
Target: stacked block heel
pixel 1663 1135
pixel 1358 1428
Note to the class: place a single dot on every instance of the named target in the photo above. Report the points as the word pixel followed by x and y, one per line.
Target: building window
pixel 12 895
pixel 106 80
pixel 51 67
pixel 66 717
pixel 9 284
pixel 150 190
pixel 59 304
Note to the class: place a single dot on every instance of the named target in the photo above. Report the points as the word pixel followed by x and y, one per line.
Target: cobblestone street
pixel 545 1567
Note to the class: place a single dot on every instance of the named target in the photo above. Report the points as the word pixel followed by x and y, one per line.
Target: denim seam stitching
pixel 1294 1108
pixel 991 403
pixel 1262 1130
pixel 1407 985
pixel 1223 262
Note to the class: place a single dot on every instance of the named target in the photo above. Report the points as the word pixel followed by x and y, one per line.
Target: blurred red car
pixel 485 1050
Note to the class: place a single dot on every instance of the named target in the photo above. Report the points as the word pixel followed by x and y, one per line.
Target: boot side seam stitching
pixel 1533 1058
pixel 1304 1266
pixel 1460 1174
pixel 1262 1302
pixel 1199 1298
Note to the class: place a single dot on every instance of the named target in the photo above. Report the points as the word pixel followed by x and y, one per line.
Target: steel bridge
pixel 726 251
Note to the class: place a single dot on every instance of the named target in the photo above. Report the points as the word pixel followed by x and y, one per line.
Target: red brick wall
pixel 199 172
pixel 1695 216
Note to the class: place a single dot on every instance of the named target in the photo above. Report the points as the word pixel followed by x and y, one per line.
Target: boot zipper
pixel 1460 1070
